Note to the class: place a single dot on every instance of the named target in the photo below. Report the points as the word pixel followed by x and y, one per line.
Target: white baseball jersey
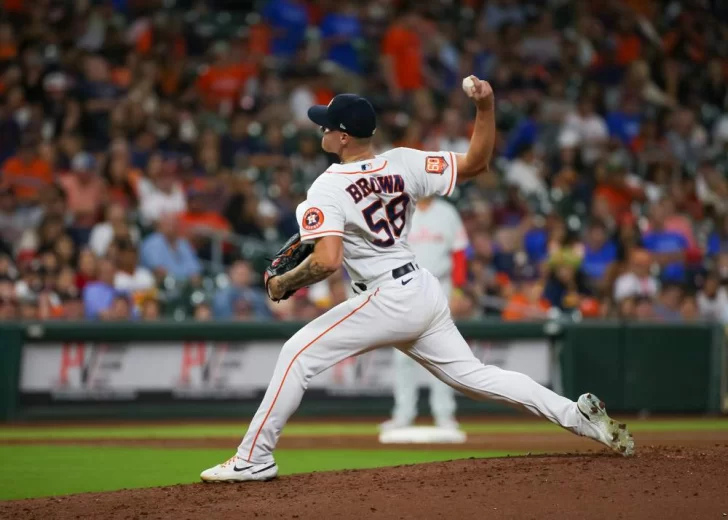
pixel 370 204
pixel 437 232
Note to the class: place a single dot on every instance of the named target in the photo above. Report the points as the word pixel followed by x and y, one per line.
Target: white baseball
pixel 469 86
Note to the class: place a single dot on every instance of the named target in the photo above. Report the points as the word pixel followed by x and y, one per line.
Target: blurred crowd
pixel 152 154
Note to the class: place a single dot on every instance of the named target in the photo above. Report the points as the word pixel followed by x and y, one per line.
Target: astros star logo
pixel 313 218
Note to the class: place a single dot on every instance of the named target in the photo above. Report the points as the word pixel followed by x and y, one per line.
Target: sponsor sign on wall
pixel 215 370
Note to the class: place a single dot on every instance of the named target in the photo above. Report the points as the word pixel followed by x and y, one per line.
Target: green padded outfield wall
pixel 666 368
pixel 592 360
pixel 12 338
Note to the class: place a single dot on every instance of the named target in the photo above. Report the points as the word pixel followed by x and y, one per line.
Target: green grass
pixel 34 471
pixel 323 429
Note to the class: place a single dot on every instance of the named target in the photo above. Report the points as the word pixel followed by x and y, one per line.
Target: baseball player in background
pixel 358 213
pixel 438 240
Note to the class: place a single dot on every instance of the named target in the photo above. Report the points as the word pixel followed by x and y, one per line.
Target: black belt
pixel 396 273
pixel 401 271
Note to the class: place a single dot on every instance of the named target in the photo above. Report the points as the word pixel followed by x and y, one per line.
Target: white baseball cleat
pixel 236 469
pixel 607 431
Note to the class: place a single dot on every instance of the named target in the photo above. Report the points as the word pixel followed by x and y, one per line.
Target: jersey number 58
pixel 392 225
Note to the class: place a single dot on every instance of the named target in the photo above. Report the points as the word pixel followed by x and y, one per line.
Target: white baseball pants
pixel 416 318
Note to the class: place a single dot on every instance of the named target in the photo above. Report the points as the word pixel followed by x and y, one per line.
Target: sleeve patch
pixel 313 219
pixel 435 164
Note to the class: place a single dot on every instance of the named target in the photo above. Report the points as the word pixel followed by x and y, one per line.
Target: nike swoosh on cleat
pixel 267 467
pixel 235 468
pixel 405 282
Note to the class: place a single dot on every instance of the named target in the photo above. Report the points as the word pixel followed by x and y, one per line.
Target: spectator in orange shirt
pixel 259 41
pixel 527 303
pixel 221 85
pixel 616 191
pixel 402 56
pixel 27 173
pixel 86 194
pixel 197 224
pixel 628 42
pixel 198 218
pixel 8 45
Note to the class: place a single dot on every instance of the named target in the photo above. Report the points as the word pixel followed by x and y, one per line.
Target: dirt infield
pixel 658 483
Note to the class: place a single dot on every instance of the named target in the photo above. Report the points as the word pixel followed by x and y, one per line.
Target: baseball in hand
pixel 469 86
pixel 479 91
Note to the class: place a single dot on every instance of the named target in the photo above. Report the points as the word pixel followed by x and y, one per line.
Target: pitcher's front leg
pixel 319 345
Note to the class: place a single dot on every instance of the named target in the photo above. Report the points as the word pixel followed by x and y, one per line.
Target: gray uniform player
pixel 437 234
pixel 358 213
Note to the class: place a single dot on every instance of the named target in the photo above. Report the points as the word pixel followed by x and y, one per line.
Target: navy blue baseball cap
pixel 347 113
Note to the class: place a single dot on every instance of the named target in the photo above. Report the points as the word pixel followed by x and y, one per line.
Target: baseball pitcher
pixel 438 240
pixel 359 213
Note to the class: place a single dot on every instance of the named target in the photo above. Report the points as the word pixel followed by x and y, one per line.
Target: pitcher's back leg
pixel 446 354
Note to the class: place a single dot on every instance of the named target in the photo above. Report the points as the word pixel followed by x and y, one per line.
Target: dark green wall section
pixel 644 367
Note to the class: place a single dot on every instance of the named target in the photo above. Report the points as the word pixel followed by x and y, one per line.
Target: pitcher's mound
pixel 658 483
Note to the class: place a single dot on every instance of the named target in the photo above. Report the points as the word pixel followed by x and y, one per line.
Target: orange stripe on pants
pixel 314 340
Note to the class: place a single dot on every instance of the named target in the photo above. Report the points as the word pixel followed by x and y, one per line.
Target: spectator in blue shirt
pixel 668 247
pixel 166 253
pixel 525 134
pixel 120 6
pixel 599 252
pixel 718 239
pixel 535 242
pixel 289 20
pixel 625 123
pixel 339 29
pixel 239 291
pixel 98 296
pixel 9 134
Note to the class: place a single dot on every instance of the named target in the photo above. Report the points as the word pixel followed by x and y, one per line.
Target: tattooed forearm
pixel 309 272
